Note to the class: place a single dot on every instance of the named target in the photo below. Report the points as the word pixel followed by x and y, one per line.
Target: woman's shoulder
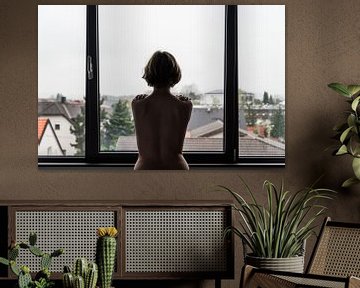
pixel 184 100
pixel 138 99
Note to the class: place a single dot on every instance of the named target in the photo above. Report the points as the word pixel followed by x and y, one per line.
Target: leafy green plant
pixel 348 132
pixel 279 229
pixel 42 278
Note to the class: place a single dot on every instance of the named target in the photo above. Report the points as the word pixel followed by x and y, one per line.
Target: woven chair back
pixel 338 250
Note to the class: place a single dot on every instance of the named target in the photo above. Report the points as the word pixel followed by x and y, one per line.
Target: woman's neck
pixel 161 90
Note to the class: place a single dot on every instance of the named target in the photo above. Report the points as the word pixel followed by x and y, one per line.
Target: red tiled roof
pixel 42 122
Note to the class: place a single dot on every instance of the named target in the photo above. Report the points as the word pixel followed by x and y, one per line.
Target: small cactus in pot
pixel 106 254
pixel 85 275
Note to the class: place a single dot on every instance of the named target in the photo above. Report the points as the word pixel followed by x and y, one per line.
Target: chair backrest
pixel 337 251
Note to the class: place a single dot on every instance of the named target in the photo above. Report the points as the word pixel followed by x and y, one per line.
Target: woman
pixel 161 118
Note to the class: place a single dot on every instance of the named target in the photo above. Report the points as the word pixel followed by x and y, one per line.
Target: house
pixel 214 98
pixel 48 142
pixel 61 114
pixel 209 137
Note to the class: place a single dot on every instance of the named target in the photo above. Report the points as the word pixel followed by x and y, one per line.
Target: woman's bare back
pixel 160 121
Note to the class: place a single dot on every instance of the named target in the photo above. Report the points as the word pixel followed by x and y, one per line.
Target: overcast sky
pixel 129 35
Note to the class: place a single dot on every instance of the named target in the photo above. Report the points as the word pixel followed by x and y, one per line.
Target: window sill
pixel 197 166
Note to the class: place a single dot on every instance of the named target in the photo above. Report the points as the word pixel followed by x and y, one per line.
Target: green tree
pixel 78 129
pixel 119 123
pixel 271 100
pixel 278 122
pixel 266 98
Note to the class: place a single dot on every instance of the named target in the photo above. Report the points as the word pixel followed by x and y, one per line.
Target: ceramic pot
pixel 291 264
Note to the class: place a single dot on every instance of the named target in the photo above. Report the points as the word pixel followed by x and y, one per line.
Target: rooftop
pixel 42 123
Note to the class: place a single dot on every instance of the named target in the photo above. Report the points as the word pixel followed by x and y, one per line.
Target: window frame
pixel 229 157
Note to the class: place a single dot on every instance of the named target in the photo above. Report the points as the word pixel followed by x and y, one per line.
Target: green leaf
pixel 354 145
pixel 342 150
pixel 345 134
pixel 351 120
pixel 355 103
pixel 349 182
pixel 356 167
pixel 14 268
pixel 340 88
pixel 4 261
pixel 353 89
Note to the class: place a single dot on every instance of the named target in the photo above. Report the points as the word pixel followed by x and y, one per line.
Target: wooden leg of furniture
pixel 354 282
pixel 253 279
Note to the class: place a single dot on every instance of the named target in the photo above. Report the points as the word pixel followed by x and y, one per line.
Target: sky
pixel 129 35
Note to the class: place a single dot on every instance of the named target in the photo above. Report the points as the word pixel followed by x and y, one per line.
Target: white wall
pixel 64 135
pixel 48 145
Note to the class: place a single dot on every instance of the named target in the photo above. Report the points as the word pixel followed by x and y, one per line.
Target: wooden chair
pixel 334 263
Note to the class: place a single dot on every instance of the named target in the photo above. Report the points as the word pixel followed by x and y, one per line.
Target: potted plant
pixel 276 233
pixel 348 132
pixel 42 278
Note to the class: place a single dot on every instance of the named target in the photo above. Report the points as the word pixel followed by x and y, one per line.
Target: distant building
pixel 202 115
pixel 61 114
pixel 210 138
pixel 246 98
pixel 214 98
pixel 48 143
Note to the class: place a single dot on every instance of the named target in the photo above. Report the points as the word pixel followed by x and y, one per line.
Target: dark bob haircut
pixel 162 70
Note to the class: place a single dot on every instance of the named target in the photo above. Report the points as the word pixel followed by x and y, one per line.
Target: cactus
pixel 68 280
pixel 91 276
pixel 4 261
pixel 80 267
pixel 67 269
pixel 45 261
pixel 13 253
pixel 57 252
pixel 32 239
pixel 105 254
pixel 44 273
pixel 14 268
pixel 36 251
pixel 24 280
pixel 79 282
pixel 90 272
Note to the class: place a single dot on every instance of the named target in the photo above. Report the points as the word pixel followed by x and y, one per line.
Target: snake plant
pixel 348 132
pixel 279 228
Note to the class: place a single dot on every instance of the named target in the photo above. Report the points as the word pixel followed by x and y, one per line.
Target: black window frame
pixel 229 157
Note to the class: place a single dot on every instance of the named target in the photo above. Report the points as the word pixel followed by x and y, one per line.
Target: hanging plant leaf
pixel 355 103
pixel 340 88
pixel 356 167
pixel 345 134
pixel 349 182
pixel 353 89
pixel 342 150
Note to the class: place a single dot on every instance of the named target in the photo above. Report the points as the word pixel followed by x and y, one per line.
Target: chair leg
pixel 246 274
pixel 354 282
pixel 250 278
pixel 217 283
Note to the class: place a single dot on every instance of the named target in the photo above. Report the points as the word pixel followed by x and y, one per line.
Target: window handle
pixel 89 68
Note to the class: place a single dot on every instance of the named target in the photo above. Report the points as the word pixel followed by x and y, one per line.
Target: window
pixel 61 74
pixel 225 54
pixel 200 54
pixel 261 35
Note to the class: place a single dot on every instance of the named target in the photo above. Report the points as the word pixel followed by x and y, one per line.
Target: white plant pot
pixel 291 264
